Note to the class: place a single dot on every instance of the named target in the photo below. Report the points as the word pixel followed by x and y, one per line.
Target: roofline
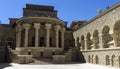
pixel 102 14
pixel 105 12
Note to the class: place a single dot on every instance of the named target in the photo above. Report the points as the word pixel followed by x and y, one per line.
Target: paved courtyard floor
pixel 53 66
pixel 47 64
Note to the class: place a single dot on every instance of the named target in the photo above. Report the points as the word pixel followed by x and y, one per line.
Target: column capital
pixel 19 28
pixel 37 25
pixel 48 26
pixel 57 27
pixel 62 29
pixel 26 26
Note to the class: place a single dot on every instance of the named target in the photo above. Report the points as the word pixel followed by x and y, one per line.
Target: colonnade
pixel 37 26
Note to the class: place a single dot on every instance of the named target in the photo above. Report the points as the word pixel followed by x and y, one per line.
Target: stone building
pixel 40 34
pixel 99 38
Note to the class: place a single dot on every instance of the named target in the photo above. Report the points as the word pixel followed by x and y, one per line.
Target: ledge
pixel 104 49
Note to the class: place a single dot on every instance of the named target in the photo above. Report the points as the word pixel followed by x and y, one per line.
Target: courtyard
pixel 53 66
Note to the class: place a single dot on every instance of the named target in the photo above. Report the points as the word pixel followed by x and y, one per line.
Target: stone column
pixel 57 27
pixel 37 27
pixel 62 37
pixel 101 41
pixel 115 39
pixel 86 44
pixel 18 35
pixel 47 27
pixel 26 27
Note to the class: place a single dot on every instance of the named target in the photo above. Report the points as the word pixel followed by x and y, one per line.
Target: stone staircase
pixel 69 56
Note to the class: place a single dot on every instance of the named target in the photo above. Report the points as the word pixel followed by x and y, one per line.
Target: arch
pixel 96 60
pixel 113 60
pixel 116 32
pixel 107 60
pixel 82 42
pixel 78 43
pixel 106 36
pixel 89 58
pixel 89 41
pixel 95 39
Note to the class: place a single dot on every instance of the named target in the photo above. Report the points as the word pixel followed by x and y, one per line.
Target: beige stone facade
pixel 40 34
pixel 99 38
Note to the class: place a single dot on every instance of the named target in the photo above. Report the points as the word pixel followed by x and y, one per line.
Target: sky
pixel 68 10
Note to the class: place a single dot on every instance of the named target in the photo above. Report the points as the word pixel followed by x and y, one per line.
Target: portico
pixel 43 32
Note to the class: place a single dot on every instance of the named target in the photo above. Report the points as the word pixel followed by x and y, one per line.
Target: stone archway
pixel 89 41
pixel 82 43
pixel 116 35
pixel 106 37
pixel 95 39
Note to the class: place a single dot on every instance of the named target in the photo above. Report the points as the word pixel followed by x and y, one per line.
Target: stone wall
pixel 40 52
pixel 108 57
pixel 3 56
pixel 99 40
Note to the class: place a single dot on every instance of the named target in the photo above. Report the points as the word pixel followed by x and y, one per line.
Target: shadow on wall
pixel 81 57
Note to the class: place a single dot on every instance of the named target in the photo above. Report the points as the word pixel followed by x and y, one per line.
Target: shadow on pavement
pixel 4 65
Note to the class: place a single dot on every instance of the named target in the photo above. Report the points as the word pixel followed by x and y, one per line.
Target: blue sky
pixel 68 10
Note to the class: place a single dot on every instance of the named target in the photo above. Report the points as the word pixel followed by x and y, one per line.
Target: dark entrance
pixel 41 54
pixel 42 41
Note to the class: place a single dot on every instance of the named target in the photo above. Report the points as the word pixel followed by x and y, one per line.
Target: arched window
pixel 113 60
pixel 106 37
pixel 96 60
pixel 116 32
pixel 107 60
pixel 95 39
pixel 89 41
pixel 92 59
